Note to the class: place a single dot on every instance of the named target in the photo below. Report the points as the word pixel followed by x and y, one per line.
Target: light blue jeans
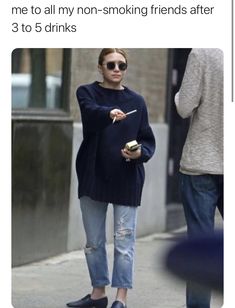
pixel 94 217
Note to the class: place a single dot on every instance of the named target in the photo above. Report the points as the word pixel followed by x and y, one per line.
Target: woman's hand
pixel 131 154
pixel 117 115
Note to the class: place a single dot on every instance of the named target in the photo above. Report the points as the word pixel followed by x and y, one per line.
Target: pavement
pixel 54 282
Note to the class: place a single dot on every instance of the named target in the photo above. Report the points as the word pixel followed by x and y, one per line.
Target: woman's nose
pixel 116 68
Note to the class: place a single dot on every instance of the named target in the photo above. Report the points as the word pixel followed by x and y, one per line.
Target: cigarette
pixel 130 112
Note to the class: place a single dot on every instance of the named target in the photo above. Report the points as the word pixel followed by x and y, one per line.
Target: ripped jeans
pixel 94 217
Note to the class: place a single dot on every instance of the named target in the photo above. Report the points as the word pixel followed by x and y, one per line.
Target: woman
pixel 110 173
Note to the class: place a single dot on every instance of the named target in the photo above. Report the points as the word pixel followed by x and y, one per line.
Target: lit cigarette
pixel 114 119
pixel 130 112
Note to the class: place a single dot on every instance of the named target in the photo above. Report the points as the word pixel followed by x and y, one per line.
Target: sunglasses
pixel 111 65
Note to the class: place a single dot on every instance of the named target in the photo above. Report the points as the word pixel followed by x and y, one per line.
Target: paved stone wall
pixel 147 75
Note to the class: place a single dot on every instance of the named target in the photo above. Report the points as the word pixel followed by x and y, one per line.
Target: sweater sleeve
pixel 189 95
pixel 145 138
pixel 94 116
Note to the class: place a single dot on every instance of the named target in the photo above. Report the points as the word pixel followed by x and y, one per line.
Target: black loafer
pixel 118 304
pixel 87 301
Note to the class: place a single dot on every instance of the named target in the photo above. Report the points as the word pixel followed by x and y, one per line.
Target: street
pixel 56 281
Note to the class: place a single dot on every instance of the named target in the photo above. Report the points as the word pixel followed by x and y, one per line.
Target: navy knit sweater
pixel 103 173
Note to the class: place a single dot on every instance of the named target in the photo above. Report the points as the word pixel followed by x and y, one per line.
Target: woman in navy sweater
pixel 110 173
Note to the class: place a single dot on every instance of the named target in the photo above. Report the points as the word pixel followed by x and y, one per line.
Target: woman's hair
pixel 105 51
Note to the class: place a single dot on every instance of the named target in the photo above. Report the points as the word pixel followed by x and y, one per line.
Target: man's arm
pixel 190 93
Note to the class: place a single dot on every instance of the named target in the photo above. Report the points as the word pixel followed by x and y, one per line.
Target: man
pixel 201 167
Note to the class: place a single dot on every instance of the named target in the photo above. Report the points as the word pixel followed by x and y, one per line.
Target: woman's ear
pixel 100 69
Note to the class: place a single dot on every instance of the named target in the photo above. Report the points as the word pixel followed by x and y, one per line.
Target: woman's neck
pixel 114 86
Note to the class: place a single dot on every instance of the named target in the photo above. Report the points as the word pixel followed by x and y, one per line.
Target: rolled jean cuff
pixel 121 286
pixel 100 284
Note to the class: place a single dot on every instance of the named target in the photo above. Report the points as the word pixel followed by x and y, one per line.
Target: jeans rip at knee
pixel 92 248
pixel 89 249
pixel 123 234
pixel 124 241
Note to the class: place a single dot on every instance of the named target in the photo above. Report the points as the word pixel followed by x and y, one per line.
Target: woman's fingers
pixel 117 114
pixel 131 155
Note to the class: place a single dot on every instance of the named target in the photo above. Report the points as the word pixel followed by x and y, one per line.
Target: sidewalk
pixel 53 282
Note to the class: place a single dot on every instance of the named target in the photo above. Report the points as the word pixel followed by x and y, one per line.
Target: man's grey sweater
pixel 201 97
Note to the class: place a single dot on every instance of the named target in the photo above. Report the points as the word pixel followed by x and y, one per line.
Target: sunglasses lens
pixel 122 66
pixel 111 65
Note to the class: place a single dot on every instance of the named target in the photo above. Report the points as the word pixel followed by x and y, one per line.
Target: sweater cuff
pixel 143 158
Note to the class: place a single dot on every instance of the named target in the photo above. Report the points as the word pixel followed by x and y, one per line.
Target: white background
pixel 152 31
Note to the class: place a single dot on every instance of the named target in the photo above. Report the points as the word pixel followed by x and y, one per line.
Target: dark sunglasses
pixel 111 65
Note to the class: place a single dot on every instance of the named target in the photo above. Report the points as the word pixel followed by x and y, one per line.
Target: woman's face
pixel 113 68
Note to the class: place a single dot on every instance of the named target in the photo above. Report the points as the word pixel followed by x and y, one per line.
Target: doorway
pixel 178 129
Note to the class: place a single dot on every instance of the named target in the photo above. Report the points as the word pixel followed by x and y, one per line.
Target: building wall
pixel 41 166
pixel 146 74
